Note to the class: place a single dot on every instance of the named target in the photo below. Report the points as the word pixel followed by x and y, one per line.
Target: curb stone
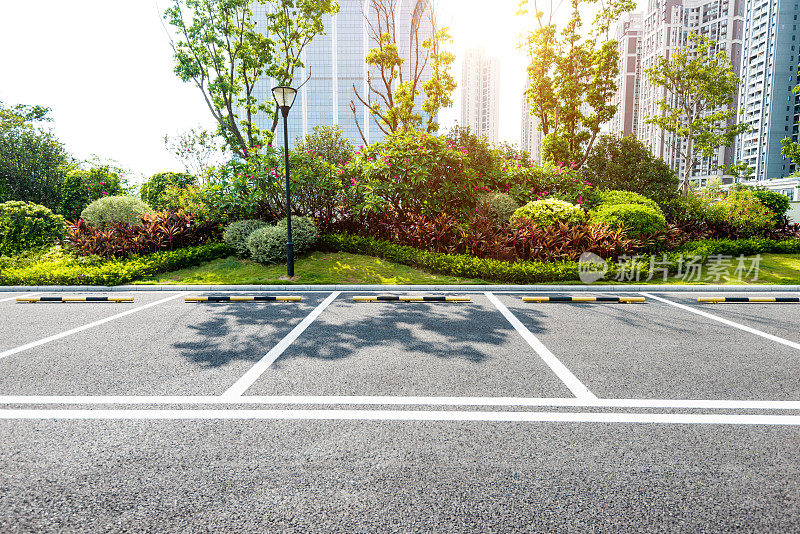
pixel 437 288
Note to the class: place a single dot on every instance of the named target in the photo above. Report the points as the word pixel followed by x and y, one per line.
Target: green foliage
pixel 572 75
pixel 82 187
pixel 776 202
pixel 197 149
pixel 700 85
pixel 627 197
pixel 28 226
pixel 268 244
pixel 220 50
pixel 638 220
pixel 109 210
pixel 32 159
pixel 153 189
pixel 327 143
pixel 545 181
pixel 463 266
pixel 743 210
pixel 236 234
pixel 413 171
pixel 500 205
pixel 62 268
pixel 626 163
pixel 736 247
pixel 548 212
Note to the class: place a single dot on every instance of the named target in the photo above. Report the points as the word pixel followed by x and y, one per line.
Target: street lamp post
pixel 284 96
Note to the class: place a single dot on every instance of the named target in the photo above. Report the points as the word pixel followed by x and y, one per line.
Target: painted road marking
pixel 341 400
pixel 570 380
pixel 62 335
pixel 255 372
pixel 748 329
pixel 409 415
pixel 17 296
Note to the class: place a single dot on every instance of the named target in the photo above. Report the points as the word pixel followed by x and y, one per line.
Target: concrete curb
pixel 438 288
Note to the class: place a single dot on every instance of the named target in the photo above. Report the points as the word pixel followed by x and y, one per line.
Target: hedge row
pixel 520 272
pixel 112 271
pixel 736 247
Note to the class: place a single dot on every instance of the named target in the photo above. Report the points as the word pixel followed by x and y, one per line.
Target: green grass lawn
pixel 314 268
pixel 774 269
pixel 344 268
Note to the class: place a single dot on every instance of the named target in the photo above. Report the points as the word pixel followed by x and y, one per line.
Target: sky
pixel 105 68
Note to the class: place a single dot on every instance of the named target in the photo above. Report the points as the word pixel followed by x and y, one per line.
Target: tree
pixel 572 78
pixel 154 188
pixel 198 150
pixel 328 143
pixel 698 109
pixel 219 48
pixel 393 84
pixel 32 160
pixel 626 164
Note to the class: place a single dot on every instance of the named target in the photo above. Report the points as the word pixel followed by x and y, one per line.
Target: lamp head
pixel 284 96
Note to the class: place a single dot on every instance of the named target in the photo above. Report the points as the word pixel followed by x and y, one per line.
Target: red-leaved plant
pixel 164 230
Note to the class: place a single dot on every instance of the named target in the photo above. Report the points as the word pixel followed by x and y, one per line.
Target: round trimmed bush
pixel 637 219
pixel 28 226
pixel 548 212
pixel 501 205
pixel 268 244
pixel 627 197
pixel 304 233
pixel 236 234
pixel 110 210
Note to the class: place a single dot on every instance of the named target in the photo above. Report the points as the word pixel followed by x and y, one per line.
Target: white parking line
pixel 406 415
pixel 570 380
pixel 249 378
pixel 20 295
pixel 707 315
pixel 62 335
pixel 353 400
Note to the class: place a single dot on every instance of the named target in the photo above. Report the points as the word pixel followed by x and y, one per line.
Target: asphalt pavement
pixel 335 416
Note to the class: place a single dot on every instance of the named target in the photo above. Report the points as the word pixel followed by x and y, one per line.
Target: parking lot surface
pixel 330 415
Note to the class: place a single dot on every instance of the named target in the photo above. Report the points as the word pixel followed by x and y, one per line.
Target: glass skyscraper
pixel 334 64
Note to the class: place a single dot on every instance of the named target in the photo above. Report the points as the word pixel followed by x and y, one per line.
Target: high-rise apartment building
pixel 334 64
pixel 629 46
pixel 667 25
pixel 769 73
pixel 480 93
pixel 531 134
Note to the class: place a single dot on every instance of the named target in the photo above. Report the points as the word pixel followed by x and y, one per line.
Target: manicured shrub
pixel 163 230
pixel 81 187
pixel 116 209
pixel 627 197
pixel 236 234
pixel 28 226
pixel 638 220
pixel 153 189
pixel 547 212
pixel 268 244
pixel 304 233
pixel 500 205
pixel 60 268
pixel 777 203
